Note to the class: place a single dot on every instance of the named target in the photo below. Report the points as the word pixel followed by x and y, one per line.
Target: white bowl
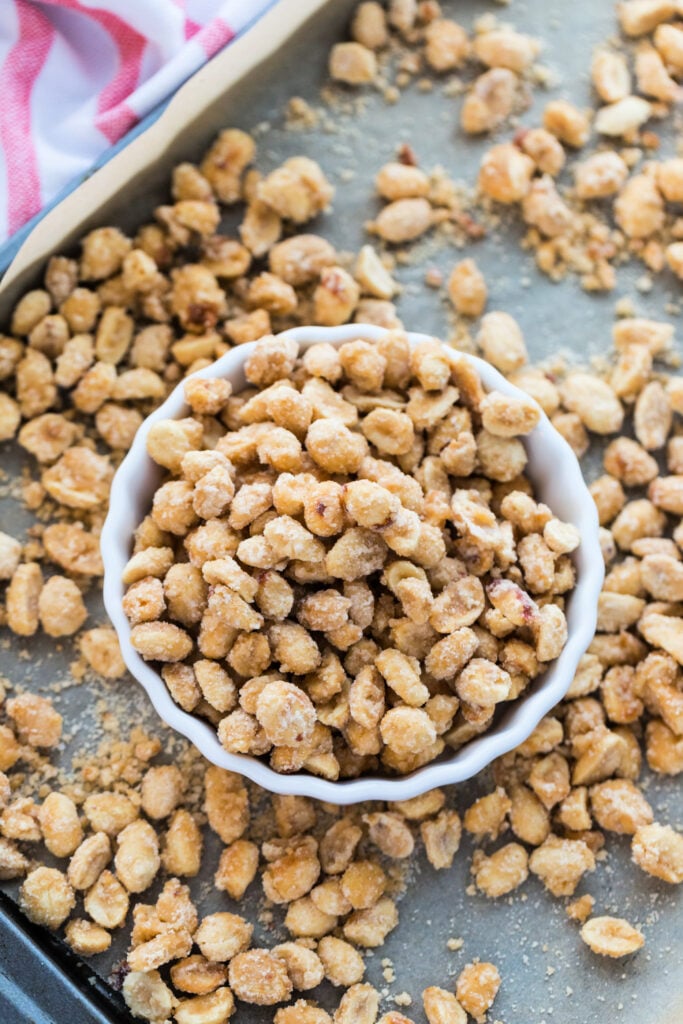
pixel 556 475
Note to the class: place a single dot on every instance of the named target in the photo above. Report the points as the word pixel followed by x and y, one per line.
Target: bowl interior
pixel 555 473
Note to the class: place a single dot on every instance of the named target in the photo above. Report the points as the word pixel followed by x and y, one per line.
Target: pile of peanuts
pixel 88 355
pixel 569 229
pixel 349 569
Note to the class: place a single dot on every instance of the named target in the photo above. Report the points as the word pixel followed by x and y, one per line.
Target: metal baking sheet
pixel 548 975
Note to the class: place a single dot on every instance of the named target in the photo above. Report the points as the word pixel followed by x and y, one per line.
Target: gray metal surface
pixel 548 975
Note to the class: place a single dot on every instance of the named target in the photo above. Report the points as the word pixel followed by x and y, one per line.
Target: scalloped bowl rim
pixel 552 466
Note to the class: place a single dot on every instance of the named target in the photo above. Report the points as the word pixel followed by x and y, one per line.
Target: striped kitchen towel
pixel 76 75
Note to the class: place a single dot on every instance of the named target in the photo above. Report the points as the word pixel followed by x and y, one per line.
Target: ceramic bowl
pixel 556 475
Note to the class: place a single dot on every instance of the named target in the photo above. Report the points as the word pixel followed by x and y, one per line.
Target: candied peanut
pixel 304 920
pixel 529 819
pixel 467 288
pixel 652 76
pixel 226 804
pixel 655 335
pixel 446 44
pixel 103 251
pixel 544 208
pixel 505 48
pixel 212 1008
pixel 358 1005
pixel 611 936
pixel 107 901
pixel 571 428
pixel 222 936
pixel 658 850
pixel 35 720
pixel 297 190
pixel 664 749
pixel 662 577
pixel 47 437
pixel 23 594
pixel 80 479
pixel 370 927
pixel 619 806
pixel 389 431
pixel 343 964
pixel 372 275
pixel 663 631
pixel 362 884
pixel 441 1007
pixel 369 25
pixel 352 63
pixel 109 812
pixel 638 519
pixel 623 118
pixel 549 779
pixel 618 611
pixel 183 845
pixel 258 976
pixel 652 416
pixel 60 607
pixel 639 208
pixel 501 342
pixel 477 986
pixel 161 641
pixel 666 492
pixel 301 1013
pixel 567 122
pixel 300 259
pixel 560 864
pixel 402 676
pixel 89 860
pixel 225 161
pixel 482 683
pixel 35 387
pixel 137 858
pixel 357 553
pixel 144 600
pixel 10 750
pixel 162 788
pixel 10 553
pixel 403 220
pixel 668 40
pixel 362 364
pixel 638 17
pixel 46 897
pixel 485 817
pixel 594 402
pixel 304 966
pixel 60 825
pixel 506 416
pixel 292 875
pixel 30 311
pixel 147 995
pixel 401 181
pixel 10 418
pixel 502 872
pixel 608 495
pixel 544 149
pixel 441 836
pixel 237 868
pixel 601 175
pixel 601 757
pixel 610 75
pixel 167 946
pixel 86 938
pixel 505 173
pixel 632 371
pixel 490 101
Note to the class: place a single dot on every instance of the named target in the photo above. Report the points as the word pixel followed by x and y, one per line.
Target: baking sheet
pixel 548 975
